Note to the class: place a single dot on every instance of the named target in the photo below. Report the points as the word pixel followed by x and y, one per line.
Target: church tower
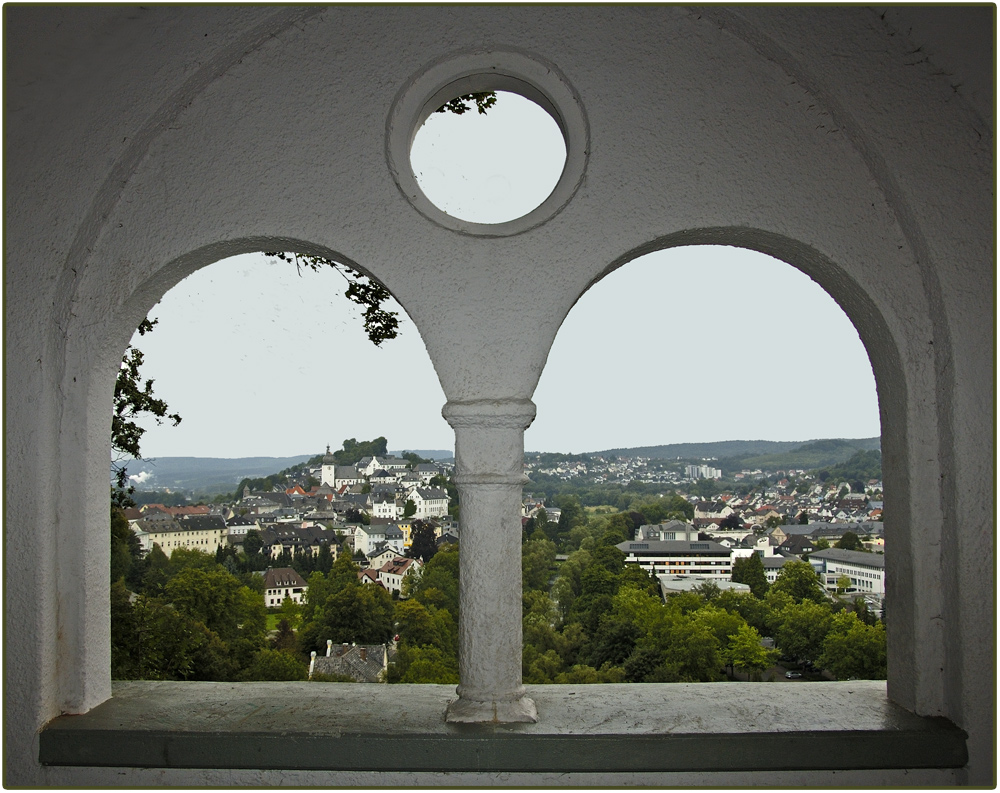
pixel 329 471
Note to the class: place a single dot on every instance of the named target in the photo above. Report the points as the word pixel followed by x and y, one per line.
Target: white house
pixel 386 506
pixel 390 575
pixel 281 583
pixel 367 537
pixel 431 502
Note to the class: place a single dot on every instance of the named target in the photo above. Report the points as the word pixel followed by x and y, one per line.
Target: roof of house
pixel 430 493
pixel 398 565
pixel 798 543
pixel 276 577
pixel 203 523
pixel 363 662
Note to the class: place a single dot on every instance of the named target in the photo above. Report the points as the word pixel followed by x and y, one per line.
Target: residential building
pixel 431 502
pixel 667 532
pixel 281 583
pixel 392 572
pixel 200 532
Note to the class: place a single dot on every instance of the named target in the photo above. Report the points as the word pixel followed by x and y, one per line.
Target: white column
pixel 489 474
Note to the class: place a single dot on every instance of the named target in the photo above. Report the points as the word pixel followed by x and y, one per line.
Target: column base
pixel 470 711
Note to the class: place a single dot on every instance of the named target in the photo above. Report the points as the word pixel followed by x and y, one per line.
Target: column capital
pixel 490 413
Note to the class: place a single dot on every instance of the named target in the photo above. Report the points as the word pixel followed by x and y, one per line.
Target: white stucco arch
pixel 854 144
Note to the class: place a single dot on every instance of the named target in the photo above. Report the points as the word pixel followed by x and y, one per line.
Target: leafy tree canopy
pixel 799 581
pixel 133 398
pixel 362 289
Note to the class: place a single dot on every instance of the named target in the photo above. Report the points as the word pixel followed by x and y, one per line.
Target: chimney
pixel 364 653
pixel 312 663
pixel 329 644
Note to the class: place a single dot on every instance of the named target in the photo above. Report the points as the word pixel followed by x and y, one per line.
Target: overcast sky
pixel 725 344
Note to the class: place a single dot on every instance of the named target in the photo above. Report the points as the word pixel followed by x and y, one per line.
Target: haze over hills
pixel 221 475
pixel 757 454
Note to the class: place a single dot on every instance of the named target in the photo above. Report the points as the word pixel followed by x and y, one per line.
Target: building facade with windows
pixel 680 557
pixel 197 532
pixel 866 570
pixel 281 583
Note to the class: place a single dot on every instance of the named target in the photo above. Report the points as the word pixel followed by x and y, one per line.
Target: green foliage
pixel 757 613
pixel 661 510
pixel 817 454
pixel 216 599
pixel 422 665
pixel 581 673
pixel 800 582
pixel 482 101
pixel 290 612
pixel 706 488
pixel 802 628
pixel 850 542
pixel 359 613
pixel 352 451
pixel 252 543
pixel 749 570
pixel 125 548
pixel 538 557
pixel 409 508
pixel 150 640
pixel 746 653
pixel 415 624
pixel 275 665
pixel 438 582
pixel 362 289
pixel 132 398
pixel 423 544
pixel 853 649
pixel 863 465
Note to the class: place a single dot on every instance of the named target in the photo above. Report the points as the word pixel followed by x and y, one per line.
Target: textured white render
pixel 144 143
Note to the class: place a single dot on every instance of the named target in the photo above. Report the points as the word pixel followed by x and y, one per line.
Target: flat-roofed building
pixel 672 584
pixel 866 570
pixel 680 557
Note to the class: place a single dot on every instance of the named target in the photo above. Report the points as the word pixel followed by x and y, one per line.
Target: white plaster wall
pixel 145 143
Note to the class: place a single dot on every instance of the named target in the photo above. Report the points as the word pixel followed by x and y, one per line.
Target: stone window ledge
pixel 587 728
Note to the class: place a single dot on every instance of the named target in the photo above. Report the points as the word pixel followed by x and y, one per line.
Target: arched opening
pixel 244 535
pixel 714 417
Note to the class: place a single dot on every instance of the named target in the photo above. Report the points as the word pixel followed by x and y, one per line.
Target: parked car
pixel 793 675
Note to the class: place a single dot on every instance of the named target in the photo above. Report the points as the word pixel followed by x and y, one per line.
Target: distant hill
pixel 429 454
pixel 223 474
pixel 206 474
pixel 718 449
pixel 757 454
pixel 814 454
